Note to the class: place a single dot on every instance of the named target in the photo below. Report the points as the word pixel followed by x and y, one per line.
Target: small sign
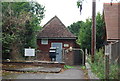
pixel 66 45
pixel 29 52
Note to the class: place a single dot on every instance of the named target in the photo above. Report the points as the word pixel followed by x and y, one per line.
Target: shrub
pixel 98 67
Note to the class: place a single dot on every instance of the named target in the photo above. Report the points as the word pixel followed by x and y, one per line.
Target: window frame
pixel 44 41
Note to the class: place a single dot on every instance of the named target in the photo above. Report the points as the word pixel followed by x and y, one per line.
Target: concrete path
pixel 68 74
pixel 74 73
pixel 37 69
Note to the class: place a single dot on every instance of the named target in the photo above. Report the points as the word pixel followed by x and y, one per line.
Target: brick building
pixel 55 34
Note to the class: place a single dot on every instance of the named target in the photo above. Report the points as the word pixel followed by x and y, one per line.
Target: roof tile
pixel 55 29
pixel 112 19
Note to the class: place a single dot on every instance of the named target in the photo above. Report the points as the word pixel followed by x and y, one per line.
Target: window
pixel 44 41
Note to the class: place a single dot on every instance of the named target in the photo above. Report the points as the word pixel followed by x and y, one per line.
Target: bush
pixel 114 71
pixel 98 67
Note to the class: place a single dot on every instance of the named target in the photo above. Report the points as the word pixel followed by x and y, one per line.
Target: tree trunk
pixel 15 52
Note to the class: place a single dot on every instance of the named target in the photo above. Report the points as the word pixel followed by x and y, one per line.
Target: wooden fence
pixel 114 51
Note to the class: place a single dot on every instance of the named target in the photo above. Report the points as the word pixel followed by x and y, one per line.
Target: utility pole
pixel 93 42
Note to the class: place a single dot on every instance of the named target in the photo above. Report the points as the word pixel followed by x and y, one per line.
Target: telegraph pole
pixel 93 42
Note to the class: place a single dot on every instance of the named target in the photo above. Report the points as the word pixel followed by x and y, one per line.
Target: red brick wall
pixel 45 48
pixel 44 54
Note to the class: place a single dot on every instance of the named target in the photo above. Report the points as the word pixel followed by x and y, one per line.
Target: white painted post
pixel 86 54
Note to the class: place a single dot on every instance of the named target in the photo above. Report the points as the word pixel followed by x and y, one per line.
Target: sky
pixel 67 10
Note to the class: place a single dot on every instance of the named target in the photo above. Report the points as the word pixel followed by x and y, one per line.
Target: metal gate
pixel 78 57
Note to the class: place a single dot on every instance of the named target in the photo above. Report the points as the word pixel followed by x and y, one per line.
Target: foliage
pixel 68 67
pixel 98 67
pixel 75 27
pixel 79 4
pixel 114 69
pixel 84 36
pixel 83 67
pixel 82 29
pixel 19 26
pixel 100 31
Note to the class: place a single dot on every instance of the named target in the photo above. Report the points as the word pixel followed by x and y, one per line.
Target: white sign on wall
pixel 29 52
pixel 66 45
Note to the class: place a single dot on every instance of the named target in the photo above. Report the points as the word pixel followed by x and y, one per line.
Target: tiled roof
pixel 112 20
pixel 55 29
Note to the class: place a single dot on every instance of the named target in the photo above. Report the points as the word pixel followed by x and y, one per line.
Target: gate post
pixel 83 61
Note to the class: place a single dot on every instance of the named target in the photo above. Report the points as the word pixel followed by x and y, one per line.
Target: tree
pixel 100 31
pixel 20 24
pixel 75 27
pixel 84 37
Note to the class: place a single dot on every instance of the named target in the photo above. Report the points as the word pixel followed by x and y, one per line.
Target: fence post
pixel 107 66
pixel 118 71
pixel 86 54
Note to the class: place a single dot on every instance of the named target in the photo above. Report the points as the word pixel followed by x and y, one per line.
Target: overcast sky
pixel 67 10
